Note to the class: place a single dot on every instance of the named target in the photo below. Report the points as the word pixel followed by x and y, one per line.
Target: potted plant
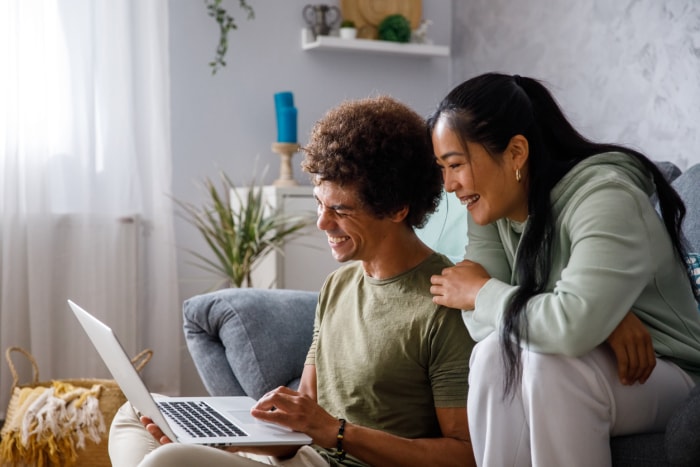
pixel 348 29
pixel 240 228
pixel 395 28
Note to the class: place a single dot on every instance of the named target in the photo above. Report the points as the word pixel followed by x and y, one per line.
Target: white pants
pixel 131 445
pixel 564 410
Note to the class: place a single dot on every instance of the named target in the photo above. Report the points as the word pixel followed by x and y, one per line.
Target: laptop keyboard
pixel 199 419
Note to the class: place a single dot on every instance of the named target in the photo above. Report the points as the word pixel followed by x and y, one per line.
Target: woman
pixel 565 253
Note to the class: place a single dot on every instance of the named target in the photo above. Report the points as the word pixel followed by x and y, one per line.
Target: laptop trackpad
pixel 242 416
pixel 245 418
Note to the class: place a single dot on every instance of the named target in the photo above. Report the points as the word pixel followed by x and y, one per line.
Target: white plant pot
pixel 348 33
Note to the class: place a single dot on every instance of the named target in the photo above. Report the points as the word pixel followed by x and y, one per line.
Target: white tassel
pixel 30 416
pixel 60 415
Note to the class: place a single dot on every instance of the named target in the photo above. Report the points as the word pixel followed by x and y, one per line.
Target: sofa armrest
pixel 249 341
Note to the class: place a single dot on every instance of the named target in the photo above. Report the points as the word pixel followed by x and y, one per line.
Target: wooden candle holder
pixel 286 151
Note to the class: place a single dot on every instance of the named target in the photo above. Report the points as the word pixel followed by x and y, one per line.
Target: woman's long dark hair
pixel 489 110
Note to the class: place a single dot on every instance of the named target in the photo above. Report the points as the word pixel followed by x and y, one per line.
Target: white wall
pixel 625 71
pixel 226 121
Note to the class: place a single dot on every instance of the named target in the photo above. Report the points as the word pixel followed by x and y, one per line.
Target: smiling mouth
pixel 335 240
pixel 469 200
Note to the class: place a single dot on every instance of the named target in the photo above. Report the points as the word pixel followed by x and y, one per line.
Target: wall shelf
pixel 331 43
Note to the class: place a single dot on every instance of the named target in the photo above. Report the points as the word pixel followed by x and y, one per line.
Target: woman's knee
pixel 485 364
pixel 543 369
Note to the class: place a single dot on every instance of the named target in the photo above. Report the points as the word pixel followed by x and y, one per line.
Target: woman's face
pixel 487 186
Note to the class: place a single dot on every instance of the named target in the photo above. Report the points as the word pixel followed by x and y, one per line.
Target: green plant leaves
pixel 240 231
pixel 395 28
pixel 226 23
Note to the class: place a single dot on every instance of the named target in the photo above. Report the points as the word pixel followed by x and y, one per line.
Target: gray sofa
pixel 249 341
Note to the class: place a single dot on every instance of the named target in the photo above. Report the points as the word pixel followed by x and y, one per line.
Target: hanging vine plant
pixel 226 23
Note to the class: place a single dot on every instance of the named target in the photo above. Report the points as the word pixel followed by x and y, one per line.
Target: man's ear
pixel 400 215
pixel 519 151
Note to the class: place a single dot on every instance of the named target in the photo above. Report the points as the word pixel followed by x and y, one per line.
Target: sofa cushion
pixel 688 187
pixel 693 261
pixel 642 450
pixel 682 446
pixel 266 333
pixel 669 170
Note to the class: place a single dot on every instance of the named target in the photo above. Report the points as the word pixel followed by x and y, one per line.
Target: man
pixel 385 380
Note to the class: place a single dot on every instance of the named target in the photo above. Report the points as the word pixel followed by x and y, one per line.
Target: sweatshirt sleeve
pixel 486 248
pixel 603 241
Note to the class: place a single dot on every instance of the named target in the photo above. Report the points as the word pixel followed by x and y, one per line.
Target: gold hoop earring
pixel 518 175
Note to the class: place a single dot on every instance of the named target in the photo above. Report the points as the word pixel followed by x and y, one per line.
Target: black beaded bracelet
pixel 340 453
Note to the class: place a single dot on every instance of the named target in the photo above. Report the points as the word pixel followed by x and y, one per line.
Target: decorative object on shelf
pixel 286 152
pixel 226 23
pixel 367 14
pixel 321 18
pixel 395 28
pixel 286 115
pixel 347 29
pixel 240 230
pixel 286 144
pixel 420 35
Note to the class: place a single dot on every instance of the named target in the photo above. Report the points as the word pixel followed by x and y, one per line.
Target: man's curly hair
pixel 381 147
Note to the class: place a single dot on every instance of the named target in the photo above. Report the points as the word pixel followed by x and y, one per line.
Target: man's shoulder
pixel 432 265
pixel 438 261
pixel 336 280
pixel 346 270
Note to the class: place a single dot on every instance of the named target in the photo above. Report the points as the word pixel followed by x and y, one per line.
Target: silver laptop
pixel 211 421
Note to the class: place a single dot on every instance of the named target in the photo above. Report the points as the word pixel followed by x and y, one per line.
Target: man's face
pixel 353 233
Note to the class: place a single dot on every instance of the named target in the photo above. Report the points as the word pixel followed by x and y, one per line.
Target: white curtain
pixel 85 173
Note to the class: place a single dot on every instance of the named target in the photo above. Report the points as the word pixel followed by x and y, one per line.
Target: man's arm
pixel 379 448
pixel 307 389
pixel 300 413
pixel 307 386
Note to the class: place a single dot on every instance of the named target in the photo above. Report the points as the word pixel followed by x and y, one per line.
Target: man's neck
pixel 400 253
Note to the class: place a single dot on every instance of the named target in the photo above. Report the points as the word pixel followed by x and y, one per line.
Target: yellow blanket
pixel 50 424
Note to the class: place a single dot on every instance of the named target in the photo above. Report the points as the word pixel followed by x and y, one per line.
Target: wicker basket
pixel 111 398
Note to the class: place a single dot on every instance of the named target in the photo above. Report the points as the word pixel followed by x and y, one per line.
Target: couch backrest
pixel 688 187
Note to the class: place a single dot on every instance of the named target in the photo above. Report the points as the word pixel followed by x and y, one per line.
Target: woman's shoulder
pixel 607 171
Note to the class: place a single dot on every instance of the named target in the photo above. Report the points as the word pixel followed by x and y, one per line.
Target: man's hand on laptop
pixel 298 412
pixel 279 451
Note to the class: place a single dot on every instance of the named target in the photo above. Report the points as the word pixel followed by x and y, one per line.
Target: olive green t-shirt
pixel 386 356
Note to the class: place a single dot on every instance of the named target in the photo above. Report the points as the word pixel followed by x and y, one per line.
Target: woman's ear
pixel 518 151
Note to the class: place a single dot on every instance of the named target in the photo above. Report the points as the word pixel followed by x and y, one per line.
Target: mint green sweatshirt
pixel 611 254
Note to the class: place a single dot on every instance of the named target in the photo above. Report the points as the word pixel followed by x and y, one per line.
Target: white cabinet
pixel 305 261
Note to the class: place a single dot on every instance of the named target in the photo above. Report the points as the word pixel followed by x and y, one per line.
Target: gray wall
pixel 625 71
pixel 227 121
